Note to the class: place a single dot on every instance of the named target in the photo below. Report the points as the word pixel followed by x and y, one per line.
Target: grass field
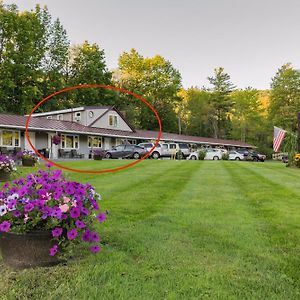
pixel 183 230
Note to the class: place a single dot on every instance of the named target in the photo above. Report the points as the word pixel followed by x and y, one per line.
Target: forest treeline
pixel 37 59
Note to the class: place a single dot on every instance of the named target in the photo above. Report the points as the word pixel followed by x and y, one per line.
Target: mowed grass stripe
pixel 278 226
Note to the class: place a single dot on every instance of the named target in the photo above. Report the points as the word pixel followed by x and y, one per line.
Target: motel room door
pixel 32 139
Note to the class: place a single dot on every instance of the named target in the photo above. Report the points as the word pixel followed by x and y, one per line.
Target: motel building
pixel 84 129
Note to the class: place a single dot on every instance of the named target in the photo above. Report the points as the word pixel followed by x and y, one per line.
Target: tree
pixel 194 112
pixel 285 98
pixel 87 66
pixel 155 79
pixel 20 58
pixel 220 102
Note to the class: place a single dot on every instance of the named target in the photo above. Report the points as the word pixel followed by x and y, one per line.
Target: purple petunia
pixel 95 204
pixel 17 214
pixel 84 211
pixel 95 248
pixel 79 224
pixel 5 226
pixel 53 250
pixel 94 237
pixel 101 217
pixel 75 212
pixel 28 207
pixel 72 234
pixel 57 232
pixel 86 237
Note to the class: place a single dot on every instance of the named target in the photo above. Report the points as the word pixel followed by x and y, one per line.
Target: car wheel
pixel 155 155
pixel 216 158
pixel 136 155
pixel 193 157
pixel 255 159
pixel 108 155
pixel 237 158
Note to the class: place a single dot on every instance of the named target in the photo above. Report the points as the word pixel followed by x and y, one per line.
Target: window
pixel 91 114
pixel 113 120
pixel 60 117
pixel 49 117
pixel 69 141
pixel 10 138
pixel 95 142
pixel 172 146
pixel 78 116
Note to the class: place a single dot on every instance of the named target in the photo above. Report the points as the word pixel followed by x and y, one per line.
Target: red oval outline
pixel 84 86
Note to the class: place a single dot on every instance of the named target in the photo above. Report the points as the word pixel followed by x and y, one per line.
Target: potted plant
pixel 29 158
pixel 42 215
pixel 99 154
pixel 7 165
pixel 56 139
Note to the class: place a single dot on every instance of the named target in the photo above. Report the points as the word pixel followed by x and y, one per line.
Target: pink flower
pixel 25 218
pixel 66 200
pixel 64 208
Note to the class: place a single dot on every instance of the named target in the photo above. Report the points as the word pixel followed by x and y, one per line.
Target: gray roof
pixel 43 124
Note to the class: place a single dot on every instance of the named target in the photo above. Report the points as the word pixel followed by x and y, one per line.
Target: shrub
pixel 201 154
pixel 225 156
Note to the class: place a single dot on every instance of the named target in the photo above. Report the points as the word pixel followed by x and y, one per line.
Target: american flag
pixel 278 138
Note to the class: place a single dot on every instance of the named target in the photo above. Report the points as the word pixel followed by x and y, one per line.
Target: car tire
pixel 216 158
pixel 136 155
pixel 255 159
pixel 155 155
pixel 237 158
pixel 108 155
pixel 193 157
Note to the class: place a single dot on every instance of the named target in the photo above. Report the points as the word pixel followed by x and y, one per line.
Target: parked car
pixel 126 151
pixel 234 155
pixel 169 149
pixel 211 154
pixel 193 156
pixel 157 152
pixel 257 156
pixel 185 149
pixel 214 153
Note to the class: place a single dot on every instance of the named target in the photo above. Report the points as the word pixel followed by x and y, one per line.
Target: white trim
pixel 63 111
pixel 115 118
pixel 69 148
pixel 98 137
pixel 13 137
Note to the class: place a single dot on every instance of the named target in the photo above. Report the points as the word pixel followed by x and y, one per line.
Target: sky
pixel 251 39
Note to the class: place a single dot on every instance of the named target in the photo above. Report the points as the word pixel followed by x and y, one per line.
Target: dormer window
pixel 59 117
pixel 49 117
pixel 78 117
pixel 113 120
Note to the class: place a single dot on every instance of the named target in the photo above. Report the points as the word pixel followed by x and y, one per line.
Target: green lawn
pixel 183 230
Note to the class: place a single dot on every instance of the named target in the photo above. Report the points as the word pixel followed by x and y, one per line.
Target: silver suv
pixel 157 152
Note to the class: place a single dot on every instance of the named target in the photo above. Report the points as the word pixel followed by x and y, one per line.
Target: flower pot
pixel 4 176
pixel 27 250
pixel 98 157
pixel 28 162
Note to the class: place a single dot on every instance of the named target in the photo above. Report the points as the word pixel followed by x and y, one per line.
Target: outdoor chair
pixel 63 154
pixel 4 150
pixel 74 154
